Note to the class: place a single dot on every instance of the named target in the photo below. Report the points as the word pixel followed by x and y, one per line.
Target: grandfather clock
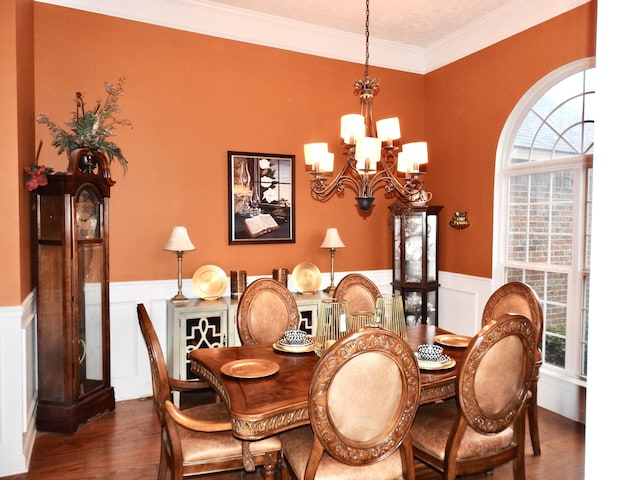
pixel 72 248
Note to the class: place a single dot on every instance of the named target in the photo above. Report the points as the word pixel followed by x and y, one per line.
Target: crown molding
pixel 503 23
pixel 207 18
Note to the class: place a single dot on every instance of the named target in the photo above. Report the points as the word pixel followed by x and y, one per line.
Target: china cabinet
pixel 72 252
pixel 415 260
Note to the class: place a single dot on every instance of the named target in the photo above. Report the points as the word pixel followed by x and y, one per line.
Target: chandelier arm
pixel 322 189
pixel 411 185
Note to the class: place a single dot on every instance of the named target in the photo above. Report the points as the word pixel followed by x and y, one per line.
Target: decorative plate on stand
pixel 210 282
pixel 306 277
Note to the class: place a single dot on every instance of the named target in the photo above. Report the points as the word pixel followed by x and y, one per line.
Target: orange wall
pixel 467 105
pixel 16 135
pixel 192 98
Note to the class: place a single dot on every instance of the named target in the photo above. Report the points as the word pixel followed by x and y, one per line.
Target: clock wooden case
pixel 72 250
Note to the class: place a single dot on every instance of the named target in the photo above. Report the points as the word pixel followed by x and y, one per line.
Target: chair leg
pixel 162 466
pixel 270 465
pixel 285 474
pixel 532 414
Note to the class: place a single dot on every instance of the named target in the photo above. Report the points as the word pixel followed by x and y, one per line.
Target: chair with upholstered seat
pixel 359 292
pixel 265 311
pixel 520 298
pixel 362 400
pixel 484 427
pixel 198 440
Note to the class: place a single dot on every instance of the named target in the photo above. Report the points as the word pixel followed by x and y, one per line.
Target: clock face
pixel 88 215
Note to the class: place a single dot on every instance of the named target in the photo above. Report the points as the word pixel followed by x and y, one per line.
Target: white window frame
pixel 571 371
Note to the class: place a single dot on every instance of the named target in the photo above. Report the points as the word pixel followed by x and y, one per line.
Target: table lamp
pixel 332 241
pixel 179 242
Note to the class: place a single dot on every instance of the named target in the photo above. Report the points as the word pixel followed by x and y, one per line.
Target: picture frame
pixel 261 198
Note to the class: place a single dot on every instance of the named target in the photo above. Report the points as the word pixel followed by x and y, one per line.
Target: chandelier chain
pixel 366 44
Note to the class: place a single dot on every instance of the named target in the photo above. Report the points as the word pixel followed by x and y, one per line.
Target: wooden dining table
pixel 261 407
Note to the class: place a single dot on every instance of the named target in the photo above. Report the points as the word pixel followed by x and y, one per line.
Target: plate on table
pixel 306 277
pixel 250 368
pixel 448 340
pixel 282 346
pixel 209 282
pixel 443 363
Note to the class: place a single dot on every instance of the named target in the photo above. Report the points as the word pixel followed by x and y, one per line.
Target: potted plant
pixel 91 129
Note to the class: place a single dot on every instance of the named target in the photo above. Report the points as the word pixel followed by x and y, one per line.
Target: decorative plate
pixel 282 346
pixel 250 368
pixel 453 340
pixel 210 282
pixel 306 277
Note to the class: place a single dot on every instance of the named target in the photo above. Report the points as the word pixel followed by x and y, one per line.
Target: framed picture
pixel 261 193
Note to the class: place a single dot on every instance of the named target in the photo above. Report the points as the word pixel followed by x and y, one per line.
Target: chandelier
pixel 370 152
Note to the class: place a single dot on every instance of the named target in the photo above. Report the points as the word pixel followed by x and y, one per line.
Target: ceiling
pixel 419 23
pixel 409 35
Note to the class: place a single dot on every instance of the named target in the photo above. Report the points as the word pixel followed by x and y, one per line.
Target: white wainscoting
pixel 130 375
pixel 18 393
pixel 461 299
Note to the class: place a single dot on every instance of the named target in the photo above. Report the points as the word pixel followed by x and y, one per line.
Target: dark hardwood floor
pixel 124 444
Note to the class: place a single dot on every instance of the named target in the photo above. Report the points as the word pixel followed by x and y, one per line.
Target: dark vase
pixel 87 162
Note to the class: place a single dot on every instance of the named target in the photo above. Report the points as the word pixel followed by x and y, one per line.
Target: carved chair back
pixel 360 417
pixel 359 292
pixel 159 372
pixel 495 373
pixel 520 298
pixel 265 311
pixel 515 297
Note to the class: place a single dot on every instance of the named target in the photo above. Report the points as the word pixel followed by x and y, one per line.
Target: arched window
pixel 543 207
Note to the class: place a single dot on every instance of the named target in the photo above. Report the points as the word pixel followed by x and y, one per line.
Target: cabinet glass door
pixel 432 234
pixel 414 230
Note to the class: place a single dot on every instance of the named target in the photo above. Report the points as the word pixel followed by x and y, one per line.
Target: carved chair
pixel 484 427
pixel 359 292
pixel 198 440
pixel 265 310
pixel 517 297
pixel 362 400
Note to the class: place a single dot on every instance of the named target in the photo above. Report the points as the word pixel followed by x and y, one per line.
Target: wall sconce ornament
pixel 459 221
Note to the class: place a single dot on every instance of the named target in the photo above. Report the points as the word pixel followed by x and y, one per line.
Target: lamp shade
pixel 388 129
pixel 416 152
pixel 352 128
pixel 332 239
pixel 315 152
pixel 179 241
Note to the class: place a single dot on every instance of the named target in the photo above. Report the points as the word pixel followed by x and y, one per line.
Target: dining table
pixel 275 397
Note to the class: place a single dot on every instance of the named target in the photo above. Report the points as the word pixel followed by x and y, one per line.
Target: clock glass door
pixel 91 282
